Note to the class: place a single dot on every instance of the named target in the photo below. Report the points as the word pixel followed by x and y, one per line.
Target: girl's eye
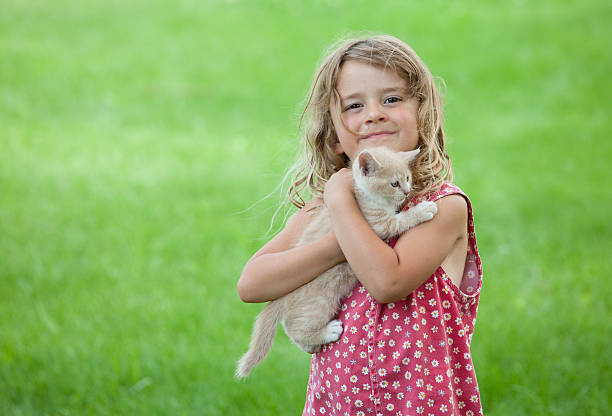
pixel 352 106
pixel 395 184
pixel 392 100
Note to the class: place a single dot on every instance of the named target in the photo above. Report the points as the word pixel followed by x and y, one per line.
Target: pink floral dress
pixel 410 357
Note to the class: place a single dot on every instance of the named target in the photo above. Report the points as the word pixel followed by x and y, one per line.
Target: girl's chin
pixel 391 144
pixel 369 144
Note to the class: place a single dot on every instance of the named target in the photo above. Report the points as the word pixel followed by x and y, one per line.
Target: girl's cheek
pixel 351 122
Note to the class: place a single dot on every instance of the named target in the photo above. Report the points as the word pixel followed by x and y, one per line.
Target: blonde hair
pixel 319 160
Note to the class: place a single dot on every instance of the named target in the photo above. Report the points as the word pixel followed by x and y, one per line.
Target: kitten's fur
pixel 382 182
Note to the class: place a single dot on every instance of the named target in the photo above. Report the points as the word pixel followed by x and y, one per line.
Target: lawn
pixel 138 142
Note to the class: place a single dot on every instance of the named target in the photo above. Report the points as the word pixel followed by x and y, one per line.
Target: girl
pixel 408 324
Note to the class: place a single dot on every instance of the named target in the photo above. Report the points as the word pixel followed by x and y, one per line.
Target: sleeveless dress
pixel 410 357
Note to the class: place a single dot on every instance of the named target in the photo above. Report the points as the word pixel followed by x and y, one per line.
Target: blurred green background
pixel 135 135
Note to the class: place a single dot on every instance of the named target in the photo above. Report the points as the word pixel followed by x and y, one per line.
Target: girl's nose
pixel 375 114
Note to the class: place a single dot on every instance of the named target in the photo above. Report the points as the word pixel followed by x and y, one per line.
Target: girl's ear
pixel 338 148
pixel 409 156
pixel 368 165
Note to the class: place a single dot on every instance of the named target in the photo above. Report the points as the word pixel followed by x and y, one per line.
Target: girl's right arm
pixel 279 268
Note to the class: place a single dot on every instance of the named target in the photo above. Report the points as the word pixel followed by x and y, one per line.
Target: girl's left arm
pixel 390 274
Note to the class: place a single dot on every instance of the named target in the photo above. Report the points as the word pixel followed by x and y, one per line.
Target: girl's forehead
pixel 356 76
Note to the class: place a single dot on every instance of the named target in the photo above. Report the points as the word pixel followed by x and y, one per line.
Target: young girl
pixel 408 324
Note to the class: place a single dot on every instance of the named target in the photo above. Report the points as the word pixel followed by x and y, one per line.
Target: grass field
pixel 134 136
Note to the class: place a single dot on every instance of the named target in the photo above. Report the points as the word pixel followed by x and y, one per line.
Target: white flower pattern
pixel 370 369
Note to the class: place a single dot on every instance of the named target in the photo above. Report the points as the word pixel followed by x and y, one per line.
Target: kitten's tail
pixel 261 340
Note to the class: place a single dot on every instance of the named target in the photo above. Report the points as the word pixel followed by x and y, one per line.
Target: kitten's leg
pixel 415 216
pixel 425 211
pixel 310 322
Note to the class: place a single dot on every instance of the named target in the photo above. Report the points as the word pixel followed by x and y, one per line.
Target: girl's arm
pixel 390 274
pixel 278 268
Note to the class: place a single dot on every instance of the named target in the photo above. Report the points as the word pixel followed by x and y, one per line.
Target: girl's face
pixel 375 110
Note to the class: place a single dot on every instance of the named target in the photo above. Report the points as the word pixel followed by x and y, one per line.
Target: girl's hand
pixel 339 188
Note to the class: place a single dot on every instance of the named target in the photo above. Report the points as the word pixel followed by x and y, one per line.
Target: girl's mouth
pixel 377 135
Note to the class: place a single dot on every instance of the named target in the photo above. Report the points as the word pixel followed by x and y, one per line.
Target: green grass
pixel 135 134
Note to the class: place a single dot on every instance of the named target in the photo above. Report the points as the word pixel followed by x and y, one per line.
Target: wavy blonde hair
pixel 319 161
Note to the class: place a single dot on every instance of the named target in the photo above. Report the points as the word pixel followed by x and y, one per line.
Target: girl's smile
pixel 377 135
pixel 375 109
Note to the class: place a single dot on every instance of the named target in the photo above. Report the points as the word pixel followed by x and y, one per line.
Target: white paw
pixel 333 331
pixel 426 210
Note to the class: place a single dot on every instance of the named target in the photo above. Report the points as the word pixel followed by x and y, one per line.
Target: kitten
pixel 383 181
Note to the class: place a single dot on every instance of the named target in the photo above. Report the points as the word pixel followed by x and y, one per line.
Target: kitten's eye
pixel 395 184
pixel 408 178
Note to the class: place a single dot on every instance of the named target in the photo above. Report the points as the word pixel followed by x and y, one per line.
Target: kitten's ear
pixel 410 156
pixel 368 165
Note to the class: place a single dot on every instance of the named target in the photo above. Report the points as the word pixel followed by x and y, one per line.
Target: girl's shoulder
pixel 294 228
pixel 453 206
pixel 300 219
pixel 313 205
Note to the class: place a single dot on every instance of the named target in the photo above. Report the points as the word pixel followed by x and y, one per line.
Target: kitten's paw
pixel 333 331
pixel 426 210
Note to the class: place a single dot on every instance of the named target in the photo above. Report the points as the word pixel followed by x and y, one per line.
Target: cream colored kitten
pixel 383 181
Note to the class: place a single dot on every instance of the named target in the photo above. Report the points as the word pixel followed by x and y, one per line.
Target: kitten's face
pixel 384 175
